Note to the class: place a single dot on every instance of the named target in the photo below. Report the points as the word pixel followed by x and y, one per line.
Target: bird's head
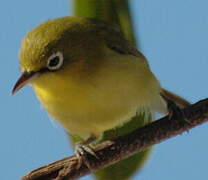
pixel 60 45
pixel 68 46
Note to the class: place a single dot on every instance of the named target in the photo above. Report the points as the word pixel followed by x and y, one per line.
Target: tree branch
pixel 123 147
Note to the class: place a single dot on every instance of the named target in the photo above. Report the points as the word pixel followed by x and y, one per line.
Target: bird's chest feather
pixel 98 103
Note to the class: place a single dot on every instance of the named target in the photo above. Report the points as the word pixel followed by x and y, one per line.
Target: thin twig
pixel 123 147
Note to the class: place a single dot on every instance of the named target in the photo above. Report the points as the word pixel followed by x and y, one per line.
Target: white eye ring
pixel 55 61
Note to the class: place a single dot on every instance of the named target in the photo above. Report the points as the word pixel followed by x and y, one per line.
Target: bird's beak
pixel 23 80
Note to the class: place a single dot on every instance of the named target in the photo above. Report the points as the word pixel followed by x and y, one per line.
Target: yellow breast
pixel 101 100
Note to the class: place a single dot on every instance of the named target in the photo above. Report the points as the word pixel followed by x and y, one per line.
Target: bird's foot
pixel 82 149
pixel 175 111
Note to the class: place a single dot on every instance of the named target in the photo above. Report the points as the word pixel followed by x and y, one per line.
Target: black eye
pixel 55 61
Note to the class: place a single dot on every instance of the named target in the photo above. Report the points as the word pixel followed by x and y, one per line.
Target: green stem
pixel 113 11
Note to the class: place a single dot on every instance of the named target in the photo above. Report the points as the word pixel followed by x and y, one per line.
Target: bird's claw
pixel 81 151
pixel 175 111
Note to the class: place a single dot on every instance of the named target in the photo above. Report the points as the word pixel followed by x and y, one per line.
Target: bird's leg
pixel 83 148
pixel 174 109
pixel 179 101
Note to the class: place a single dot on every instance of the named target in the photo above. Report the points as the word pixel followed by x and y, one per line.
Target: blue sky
pixel 173 35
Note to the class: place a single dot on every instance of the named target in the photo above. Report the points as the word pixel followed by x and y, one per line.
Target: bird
pixel 93 81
